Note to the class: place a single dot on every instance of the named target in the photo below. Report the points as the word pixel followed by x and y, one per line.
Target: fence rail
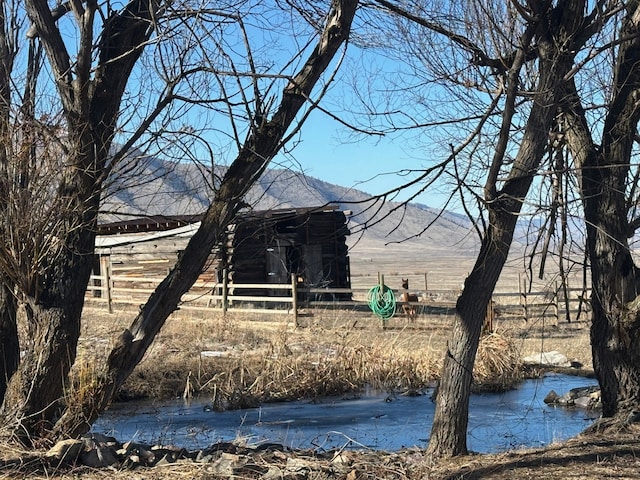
pixel 115 285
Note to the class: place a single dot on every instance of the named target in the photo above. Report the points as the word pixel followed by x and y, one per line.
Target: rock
pixel 168 454
pixel 168 459
pixel 583 397
pixel 135 447
pixel 100 438
pixel 99 457
pixel 203 457
pixel 227 464
pixel 274 473
pixel 582 402
pixel 132 461
pixel 147 457
pixel 583 391
pixel 139 453
pixel 547 359
pixel 169 448
pixel 66 450
pixel 342 459
pixel 566 400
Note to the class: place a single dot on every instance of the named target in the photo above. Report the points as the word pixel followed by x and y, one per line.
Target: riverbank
pixel 586 457
pixel 245 360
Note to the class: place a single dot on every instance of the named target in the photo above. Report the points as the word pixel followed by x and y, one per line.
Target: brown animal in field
pixel 409 310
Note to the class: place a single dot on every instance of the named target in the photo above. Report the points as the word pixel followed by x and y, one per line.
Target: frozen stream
pixel 497 422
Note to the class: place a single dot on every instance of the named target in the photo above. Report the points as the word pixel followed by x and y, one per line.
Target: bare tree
pixel 9 345
pixel 553 32
pixel 609 186
pixel 61 161
pixel 510 63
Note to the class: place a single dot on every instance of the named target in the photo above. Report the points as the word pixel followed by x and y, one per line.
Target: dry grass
pixel 498 363
pixel 251 359
pixel 585 458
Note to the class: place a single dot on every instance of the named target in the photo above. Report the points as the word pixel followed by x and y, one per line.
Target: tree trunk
pixel 449 430
pixel 54 295
pixel 615 279
pixel 615 326
pixel 553 31
pixel 9 344
pixel 35 393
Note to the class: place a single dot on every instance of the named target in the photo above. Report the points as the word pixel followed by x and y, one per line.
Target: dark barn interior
pixel 261 247
pixel 270 246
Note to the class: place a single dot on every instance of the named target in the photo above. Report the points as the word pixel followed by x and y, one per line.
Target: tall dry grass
pixel 254 361
pixel 242 360
pixel 498 363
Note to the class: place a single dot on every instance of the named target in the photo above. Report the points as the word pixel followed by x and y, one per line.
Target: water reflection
pixel 497 422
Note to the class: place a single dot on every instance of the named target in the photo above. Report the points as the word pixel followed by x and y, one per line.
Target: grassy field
pixel 246 359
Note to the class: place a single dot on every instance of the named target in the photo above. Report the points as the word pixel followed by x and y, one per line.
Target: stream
pixel 497 421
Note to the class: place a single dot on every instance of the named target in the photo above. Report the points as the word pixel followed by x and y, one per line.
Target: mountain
pixel 157 187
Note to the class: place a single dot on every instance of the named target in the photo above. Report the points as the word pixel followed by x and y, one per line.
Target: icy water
pixel 497 422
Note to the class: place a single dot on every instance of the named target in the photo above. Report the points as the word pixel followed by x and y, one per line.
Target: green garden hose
pixel 383 304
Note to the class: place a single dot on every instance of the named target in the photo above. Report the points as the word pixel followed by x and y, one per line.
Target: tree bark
pixel 449 429
pixel 54 300
pixel 31 401
pixel 9 344
pixel 615 280
pixel 615 277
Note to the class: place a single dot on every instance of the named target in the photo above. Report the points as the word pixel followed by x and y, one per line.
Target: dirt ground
pixel 614 456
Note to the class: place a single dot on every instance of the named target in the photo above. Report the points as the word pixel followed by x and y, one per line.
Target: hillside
pixel 168 188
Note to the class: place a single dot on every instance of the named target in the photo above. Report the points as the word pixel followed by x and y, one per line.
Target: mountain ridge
pixel 159 187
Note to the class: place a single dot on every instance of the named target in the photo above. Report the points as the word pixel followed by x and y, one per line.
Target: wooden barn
pixel 262 247
pixel 269 246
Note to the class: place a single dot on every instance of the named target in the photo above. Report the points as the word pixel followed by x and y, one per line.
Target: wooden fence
pixel 132 285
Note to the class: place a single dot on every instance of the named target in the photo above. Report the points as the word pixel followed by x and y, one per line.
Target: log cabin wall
pixel 262 247
pixel 268 247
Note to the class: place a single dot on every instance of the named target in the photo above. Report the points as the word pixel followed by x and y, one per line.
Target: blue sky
pixel 369 164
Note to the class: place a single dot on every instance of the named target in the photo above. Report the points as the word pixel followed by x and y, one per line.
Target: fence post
pixel 225 291
pixel 488 321
pixel 294 298
pixel 426 284
pixel 105 270
pixel 522 287
pixel 380 293
pixel 555 305
pixel 566 292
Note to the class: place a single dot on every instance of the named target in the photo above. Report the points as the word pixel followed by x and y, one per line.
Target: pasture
pixel 251 356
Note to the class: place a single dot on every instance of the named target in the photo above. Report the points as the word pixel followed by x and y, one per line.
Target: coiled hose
pixel 382 303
